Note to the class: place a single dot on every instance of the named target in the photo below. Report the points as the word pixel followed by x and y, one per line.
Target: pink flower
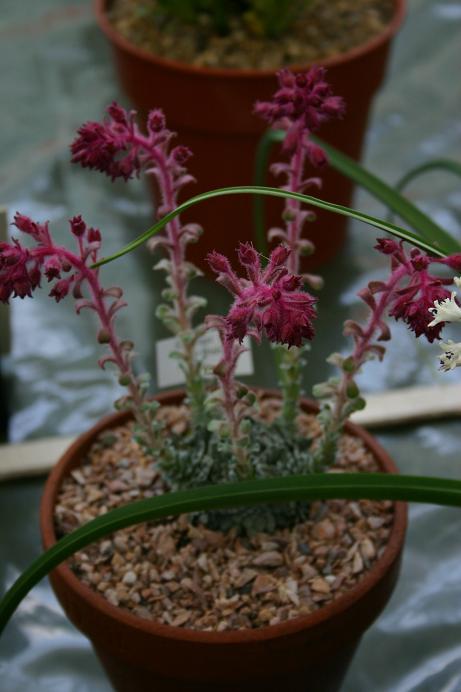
pixel 61 289
pixel 301 104
pixel 118 148
pixel 52 268
pixel 77 226
pixel 109 147
pixel 19 271
pixel 21 268
pixel 268 301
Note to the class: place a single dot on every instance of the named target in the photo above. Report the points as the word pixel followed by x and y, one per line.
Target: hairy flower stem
pixel 195 386
pixel 231 407
pixel 293 207
pixel 346 391
pixel 290 362
pixel 363 343
pixel 122 360
pixel 107 335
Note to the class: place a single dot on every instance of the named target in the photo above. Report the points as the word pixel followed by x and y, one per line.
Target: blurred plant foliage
pixel 268 18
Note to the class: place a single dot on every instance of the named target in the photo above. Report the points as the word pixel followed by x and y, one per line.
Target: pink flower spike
pixel 302 103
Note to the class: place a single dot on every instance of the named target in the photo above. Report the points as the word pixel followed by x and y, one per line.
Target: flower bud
pixel 94 235
pixel 181 154
pixel 219 263
pixel 103 336
pixel 52 268
pixel 60 289
pixel 117 113
pixel 156 120
pixel 77 226
pixel 279 255
pixel 248 257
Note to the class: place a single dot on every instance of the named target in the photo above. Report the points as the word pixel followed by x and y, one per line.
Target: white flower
pixel 446 310
pixel 451 357
pixel 457 280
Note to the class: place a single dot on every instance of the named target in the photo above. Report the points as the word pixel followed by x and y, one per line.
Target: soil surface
pixel 324 28
pixel 187 575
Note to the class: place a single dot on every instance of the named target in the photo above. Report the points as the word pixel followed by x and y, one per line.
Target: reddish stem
pixel 363 341
pixel 294 227
pixel 121 357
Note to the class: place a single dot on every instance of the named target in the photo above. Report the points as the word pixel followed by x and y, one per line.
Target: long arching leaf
pixel 435 165
pixel 376 486
pixel 402 233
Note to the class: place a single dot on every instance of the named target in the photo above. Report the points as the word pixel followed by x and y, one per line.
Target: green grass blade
pixel 437 164
pixel 316 486
pixel 386 226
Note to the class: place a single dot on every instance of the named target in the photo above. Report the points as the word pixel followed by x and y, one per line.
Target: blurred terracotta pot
pixel 212 110
pixel 308 653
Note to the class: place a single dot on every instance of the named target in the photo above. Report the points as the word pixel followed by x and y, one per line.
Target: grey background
pixel 57 73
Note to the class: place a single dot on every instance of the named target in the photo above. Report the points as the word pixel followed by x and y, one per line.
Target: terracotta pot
pixel 212 110
pixel 309 653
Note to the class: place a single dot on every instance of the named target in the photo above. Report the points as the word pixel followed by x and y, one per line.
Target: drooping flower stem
pixel 23 269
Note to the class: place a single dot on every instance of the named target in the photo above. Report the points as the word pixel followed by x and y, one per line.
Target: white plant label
pixel 208 350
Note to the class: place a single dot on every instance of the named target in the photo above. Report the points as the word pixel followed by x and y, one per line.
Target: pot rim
pixel 379 569
pixel 356 53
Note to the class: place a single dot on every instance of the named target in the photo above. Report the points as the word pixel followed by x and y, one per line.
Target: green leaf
pixel 276 192
pixel 436 164
pixel 376 486
pixel 398 204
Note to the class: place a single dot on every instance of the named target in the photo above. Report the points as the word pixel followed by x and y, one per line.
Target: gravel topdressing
pixel 187 575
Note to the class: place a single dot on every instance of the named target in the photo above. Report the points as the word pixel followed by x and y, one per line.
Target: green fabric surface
pixel 57 73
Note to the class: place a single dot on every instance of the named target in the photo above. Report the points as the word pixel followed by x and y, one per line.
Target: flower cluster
pixel 300 106
pixel 22 269
pixel 21 273
pixel 118 148
pixel 268 301
pixel 413 301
